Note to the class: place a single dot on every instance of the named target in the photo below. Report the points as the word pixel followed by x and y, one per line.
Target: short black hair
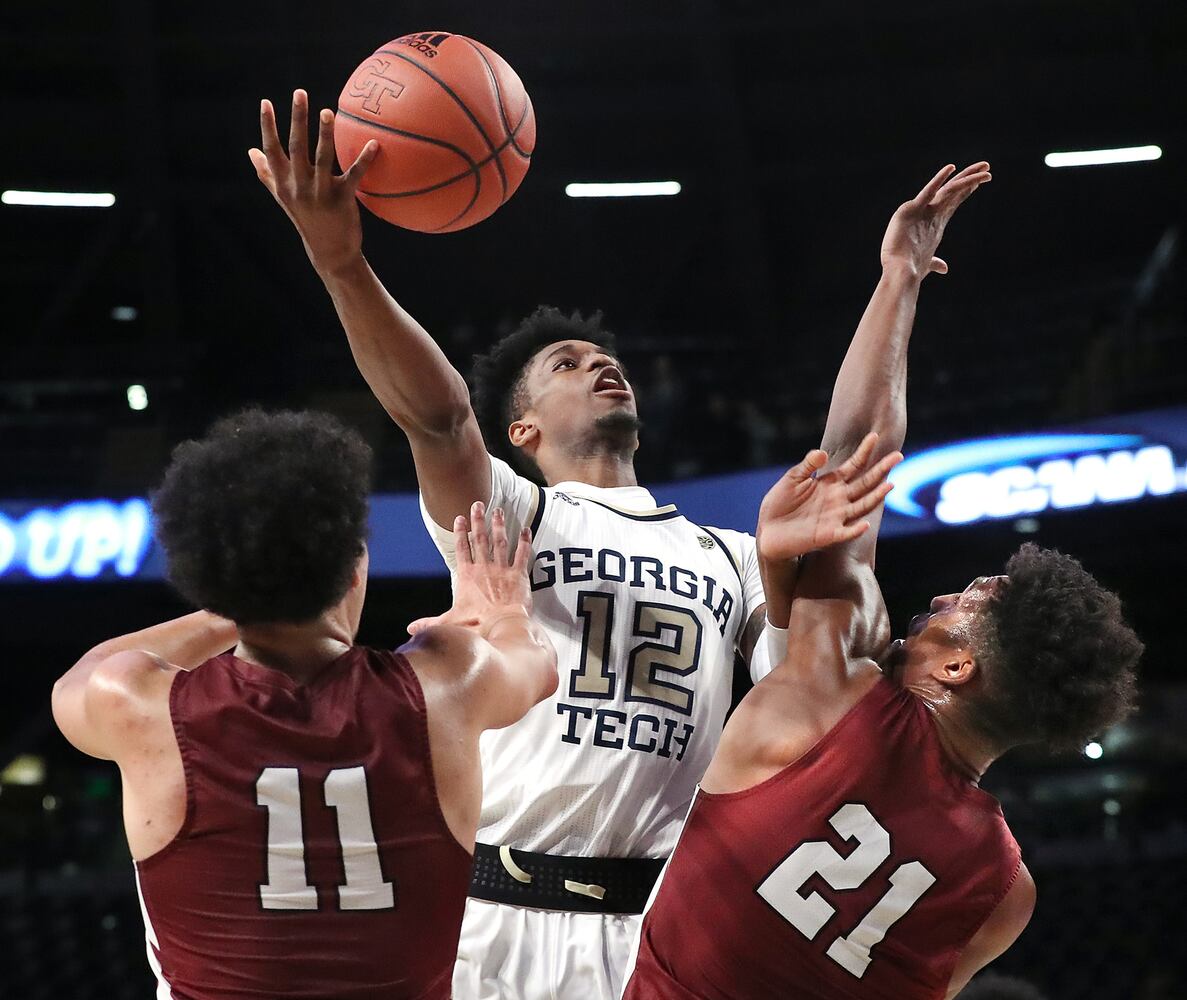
pixel 497 376
pixel 1061 659
pixel 265 518
pixel 993 986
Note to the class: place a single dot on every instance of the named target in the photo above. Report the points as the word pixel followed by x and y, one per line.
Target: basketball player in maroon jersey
pixel 301 809
pixel 839 845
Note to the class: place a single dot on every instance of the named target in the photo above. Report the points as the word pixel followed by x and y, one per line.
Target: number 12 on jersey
pixel 671 648
pixel 808 914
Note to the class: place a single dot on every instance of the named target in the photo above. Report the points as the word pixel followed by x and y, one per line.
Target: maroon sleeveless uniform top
pixel 861 870
pixel 314 860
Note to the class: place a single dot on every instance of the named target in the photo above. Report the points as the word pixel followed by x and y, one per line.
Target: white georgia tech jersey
pixel 644 608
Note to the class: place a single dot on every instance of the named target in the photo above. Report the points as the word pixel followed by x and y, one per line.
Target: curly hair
pixel 498 376
pixel 1061 659
pixel 265 518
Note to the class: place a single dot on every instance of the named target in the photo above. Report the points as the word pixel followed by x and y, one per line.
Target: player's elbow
pixel 546 672
pixel 885 417
pixel 444 414
pixel 61 703
pixel 535 658
pixel 73 703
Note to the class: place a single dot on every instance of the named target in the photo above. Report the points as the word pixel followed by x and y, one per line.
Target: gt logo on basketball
pixel 373 86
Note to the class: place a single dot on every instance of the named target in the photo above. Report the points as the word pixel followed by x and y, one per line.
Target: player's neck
pixel 301 650
pixel 605 470
pixel 968 749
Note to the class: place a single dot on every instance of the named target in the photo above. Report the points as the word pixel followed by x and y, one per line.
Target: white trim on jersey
pixel 152 945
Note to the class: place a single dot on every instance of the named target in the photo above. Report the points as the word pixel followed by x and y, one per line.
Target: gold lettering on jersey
pixel 569 564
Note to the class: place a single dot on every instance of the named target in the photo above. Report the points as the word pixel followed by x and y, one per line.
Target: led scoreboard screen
pixel 1115 460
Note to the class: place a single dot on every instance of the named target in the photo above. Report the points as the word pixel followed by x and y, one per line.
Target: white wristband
pixel 776 639
pixel 769 651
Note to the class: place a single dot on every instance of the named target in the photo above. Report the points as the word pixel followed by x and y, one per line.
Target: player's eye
pixel 564 361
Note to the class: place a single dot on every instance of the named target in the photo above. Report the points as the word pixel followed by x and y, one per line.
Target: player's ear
pixel 359 576
pixel 958 668
pixel 524 433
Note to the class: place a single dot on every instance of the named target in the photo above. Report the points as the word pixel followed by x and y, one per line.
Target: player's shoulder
pixel 506 479
pixel 445 653
pixel 737 546
pixel 122 700
pixel 129 676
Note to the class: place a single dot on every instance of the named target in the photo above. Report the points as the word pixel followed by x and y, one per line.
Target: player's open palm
pixel 490 582
pixel 321 204
pixel 915 230
pixel 806 510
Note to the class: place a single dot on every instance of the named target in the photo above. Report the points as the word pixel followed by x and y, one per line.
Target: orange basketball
pixel 455 126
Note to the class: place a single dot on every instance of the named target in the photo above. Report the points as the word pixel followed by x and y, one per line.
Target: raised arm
pixel 485 652
pixel 406 370
pixel 870 391
pixel 91 700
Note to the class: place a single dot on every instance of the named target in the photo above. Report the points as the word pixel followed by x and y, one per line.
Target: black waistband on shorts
pixel 560 882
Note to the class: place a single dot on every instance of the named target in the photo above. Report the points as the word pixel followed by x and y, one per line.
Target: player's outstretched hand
pixel 491 584
pixel 321 204
pixel 805 510
pixel 915 230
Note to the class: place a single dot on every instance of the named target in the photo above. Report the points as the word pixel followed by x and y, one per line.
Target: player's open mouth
pixel 611 382
pixel 918 624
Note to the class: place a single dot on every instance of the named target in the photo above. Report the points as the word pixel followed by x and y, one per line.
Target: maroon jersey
pixel 314 860
pixel 860 870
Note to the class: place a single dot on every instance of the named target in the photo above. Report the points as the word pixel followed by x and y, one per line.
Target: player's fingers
pixel 980 167
pixel 957 192
pixel 812 463
pixel 263 171
pixel 478 533
pixel 498 534
pixel 299 132
pixel 866 504
pixel 461 541
pixel 925 196
pixel 323 156
pixel 937 266
pixel 354 175
pixel 857 461
pixel 967 182
pixel 418 626
pixel 523 551
pixel 869 480
pixel 851 531
pixel 270 138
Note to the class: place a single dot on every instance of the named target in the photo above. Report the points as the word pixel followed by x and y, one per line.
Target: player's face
pixel 947 626
pixel 574 387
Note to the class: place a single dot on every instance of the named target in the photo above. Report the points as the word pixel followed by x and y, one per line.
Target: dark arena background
pixel 1058 344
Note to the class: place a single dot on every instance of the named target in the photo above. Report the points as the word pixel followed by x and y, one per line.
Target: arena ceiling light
pixel 623 189
pixel 1097 157
pixel 59 199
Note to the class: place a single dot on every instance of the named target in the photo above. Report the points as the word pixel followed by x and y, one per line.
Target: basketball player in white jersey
pixel 583 799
